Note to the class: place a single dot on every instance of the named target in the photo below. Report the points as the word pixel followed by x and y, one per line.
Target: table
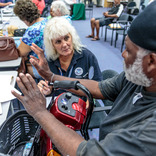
pixel 10 65
pixel 6 105
pixel 17 22
pixel 7 11
pixel 7 16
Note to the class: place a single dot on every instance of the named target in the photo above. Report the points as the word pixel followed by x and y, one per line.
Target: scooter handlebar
pixel 65 84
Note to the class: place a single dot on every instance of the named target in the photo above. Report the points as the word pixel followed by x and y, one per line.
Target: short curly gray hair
pixel 56 28
pixel 61 7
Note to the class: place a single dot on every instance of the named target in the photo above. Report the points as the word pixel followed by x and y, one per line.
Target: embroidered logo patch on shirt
pixel 137 97
pixel 78 71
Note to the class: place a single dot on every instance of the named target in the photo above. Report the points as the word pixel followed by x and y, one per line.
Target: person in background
pixel 28 12
pixel 106 19
pixel 70 4
pixel 66 55
pixel 4 3
pixel 40 5
pixel 59 8
pixel 130 127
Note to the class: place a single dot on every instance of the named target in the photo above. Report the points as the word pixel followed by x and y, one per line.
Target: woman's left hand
pixel 44 88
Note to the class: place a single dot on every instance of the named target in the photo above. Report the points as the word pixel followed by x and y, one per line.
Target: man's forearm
pixel 113 15
pixel 65 139
pixel 91 85
pixel 3 4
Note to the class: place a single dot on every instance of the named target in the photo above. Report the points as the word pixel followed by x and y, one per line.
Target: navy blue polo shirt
pixel 82 66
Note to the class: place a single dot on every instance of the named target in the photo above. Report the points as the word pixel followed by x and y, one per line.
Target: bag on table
pixel 8 50
pixel 19 32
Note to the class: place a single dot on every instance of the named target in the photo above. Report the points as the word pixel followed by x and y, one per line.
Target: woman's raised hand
pixel 40 63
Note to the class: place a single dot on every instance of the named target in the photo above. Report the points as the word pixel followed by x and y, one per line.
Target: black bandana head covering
pixel 142 31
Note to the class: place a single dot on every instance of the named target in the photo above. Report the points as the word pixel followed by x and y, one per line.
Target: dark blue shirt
pixel 5 1
pixel 82 66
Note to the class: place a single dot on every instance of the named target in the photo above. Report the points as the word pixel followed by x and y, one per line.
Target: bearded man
pixel 130 127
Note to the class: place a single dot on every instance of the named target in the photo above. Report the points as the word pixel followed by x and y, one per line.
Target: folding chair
pixel 123 32
pixel 117 25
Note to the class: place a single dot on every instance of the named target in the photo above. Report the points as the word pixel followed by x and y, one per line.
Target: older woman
pixel 28 12
pixel 65 53
pixel 59 8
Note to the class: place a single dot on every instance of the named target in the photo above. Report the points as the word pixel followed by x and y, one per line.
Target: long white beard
pixel 134 72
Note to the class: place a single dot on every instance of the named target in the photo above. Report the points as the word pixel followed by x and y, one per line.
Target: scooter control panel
pixel 65 102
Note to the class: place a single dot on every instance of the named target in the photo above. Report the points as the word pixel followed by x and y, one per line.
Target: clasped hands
pixel 105 14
